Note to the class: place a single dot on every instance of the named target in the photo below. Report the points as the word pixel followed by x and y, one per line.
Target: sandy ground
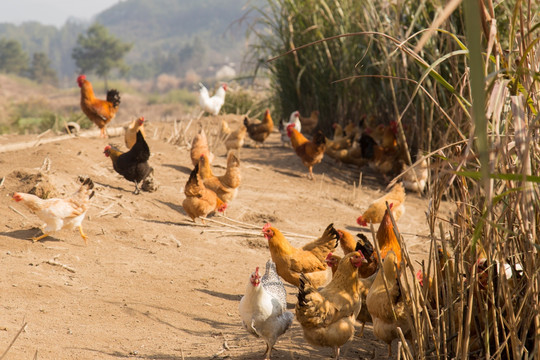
pixel 152 285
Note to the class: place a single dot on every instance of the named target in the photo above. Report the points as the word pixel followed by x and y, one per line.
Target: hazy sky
pixel 51 12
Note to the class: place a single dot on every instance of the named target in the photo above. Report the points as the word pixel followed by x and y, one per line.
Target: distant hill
pixel 169 36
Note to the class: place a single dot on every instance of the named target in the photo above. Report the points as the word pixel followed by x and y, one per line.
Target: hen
pixel 309 124
pixel 259 131
pixel 200 201
pixel 294 119
pixel 327 316
pixel 199 146
pixel 375 211
pixel 388 161
pixel 310 259
pixel 212 104
pixel 133 164
pixel 364 284
pixel 310 152
pixel 130 136
pixel 235 139
pixel 382 305
pixel 100 112
pixel 263 308
pixel 225 186
pixel 60 213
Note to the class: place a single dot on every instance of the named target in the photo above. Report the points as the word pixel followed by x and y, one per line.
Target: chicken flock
pixel 334 293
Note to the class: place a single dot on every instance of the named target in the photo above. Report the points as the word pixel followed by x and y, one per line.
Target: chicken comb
pixel 257 271
pixel 329 256
pixel 81 78
pixel 266 226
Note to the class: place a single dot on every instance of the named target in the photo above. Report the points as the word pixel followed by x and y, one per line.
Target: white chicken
pixel 60 213
pixel 212 104
pixel 294 118
pixel 263 307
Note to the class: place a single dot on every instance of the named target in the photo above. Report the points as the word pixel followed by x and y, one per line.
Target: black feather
pixel 364 245
pixel 302 290
pixel 113 96
pixel 319 138
pixel 367 146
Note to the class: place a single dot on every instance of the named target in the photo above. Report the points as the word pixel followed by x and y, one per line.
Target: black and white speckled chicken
pixel 263 307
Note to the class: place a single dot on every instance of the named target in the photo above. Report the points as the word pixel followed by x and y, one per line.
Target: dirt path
pixel 150 284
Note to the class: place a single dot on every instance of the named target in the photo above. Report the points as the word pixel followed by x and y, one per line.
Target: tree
pixel 100 52
pixel 12 57
pixel 41 70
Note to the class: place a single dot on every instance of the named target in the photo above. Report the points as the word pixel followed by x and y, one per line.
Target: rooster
pixel 130 136
pixel 310 152
pixel 100 112
pixel 212 105
pixel 263 308
pixel 132 165
pixel 310 259
pixel 258 131
pixel 60 213
pixel 327 316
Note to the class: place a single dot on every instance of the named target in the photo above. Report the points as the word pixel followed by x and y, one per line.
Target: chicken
pixel 309 124
pixel 415 179
pixel 339 141
pixel 375 211
pixel 226 186
pixel 212 105
pixel 364 317
pixel 130 136
pixel 259 131
pixel 60 213
pixel 382 305
pixel 235 139
pixel 200 201
pixel 100 112
pixel 310 259
pixel 351 155
pixel 294 119
pixel 388 161
pixel 199 146
pixel 327 316
pixel 310 152
pixel 263 308
pixel 133 164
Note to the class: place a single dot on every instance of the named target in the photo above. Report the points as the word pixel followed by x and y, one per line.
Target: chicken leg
pixel 34 239
pixel 310 175
pixel 83 235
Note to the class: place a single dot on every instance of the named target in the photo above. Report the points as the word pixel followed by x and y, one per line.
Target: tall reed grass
pixel 471 99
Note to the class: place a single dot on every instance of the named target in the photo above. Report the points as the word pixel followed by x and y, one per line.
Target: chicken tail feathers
pixel 364 245
pixel 302 291
pixel 332 233
pixel 246 122
pixel 113 96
